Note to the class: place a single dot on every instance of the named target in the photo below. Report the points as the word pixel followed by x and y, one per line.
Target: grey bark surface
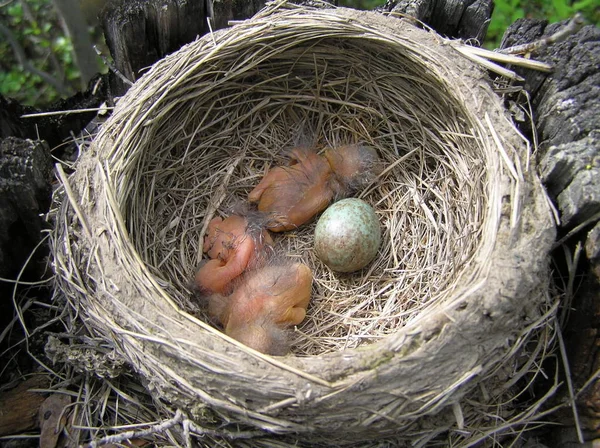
pixel 567 116
pixel 226 10
pixel 452 18
pixel 25 189
pixel 592 246
pixel 140 32
pixel 26 167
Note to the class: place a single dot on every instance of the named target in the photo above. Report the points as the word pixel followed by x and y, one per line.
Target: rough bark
pixel 26 177
pixel 567 117
pixel 140 32
pixel 226 10
pixel 592 248
pixel 567 113
pixel 453 18
pixel 25 189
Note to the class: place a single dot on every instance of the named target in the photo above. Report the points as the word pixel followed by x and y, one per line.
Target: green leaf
pixel 583 4
pixel 562 9
pixel 11 82
pixel 15 10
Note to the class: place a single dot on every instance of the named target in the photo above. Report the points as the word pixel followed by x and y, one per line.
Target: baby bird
pixel 293 194
pixel 233 245
pixel 354 166
pixel 264 303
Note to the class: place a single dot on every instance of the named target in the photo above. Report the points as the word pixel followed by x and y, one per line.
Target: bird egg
pixel 348 235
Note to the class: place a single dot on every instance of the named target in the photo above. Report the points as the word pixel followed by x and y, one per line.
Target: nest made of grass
pixel 458 287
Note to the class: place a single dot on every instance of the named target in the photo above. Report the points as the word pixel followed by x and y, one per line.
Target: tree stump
pixel 140 32
pixel 26 169
pixel 452 18
pixel 567 116
pixel 25 176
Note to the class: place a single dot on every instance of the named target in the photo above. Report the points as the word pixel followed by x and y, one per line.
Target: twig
pixel 470 54
pixel 220 195
pixel 588 383
pixel 572 27
pixel 112 66
pixel 19 311
pixel 563 353
pixel 71 197
pixel 572 264
pixel 505 58
pixel 208 432
pixel 67 112
pixel 128 435
pixel 15 319
pixel 577 229
pixel 210 20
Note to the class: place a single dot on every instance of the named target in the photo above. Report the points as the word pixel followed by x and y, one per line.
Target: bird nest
pixel 456 297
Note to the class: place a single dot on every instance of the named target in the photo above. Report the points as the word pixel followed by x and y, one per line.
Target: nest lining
pixel 219 137
pixel 195 134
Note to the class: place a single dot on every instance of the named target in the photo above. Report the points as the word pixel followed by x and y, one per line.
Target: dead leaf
pixel 53 418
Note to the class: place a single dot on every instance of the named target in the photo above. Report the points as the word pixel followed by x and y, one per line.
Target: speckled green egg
pixel 348 235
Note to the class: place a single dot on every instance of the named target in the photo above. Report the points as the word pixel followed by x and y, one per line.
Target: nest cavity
pixel 459 284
